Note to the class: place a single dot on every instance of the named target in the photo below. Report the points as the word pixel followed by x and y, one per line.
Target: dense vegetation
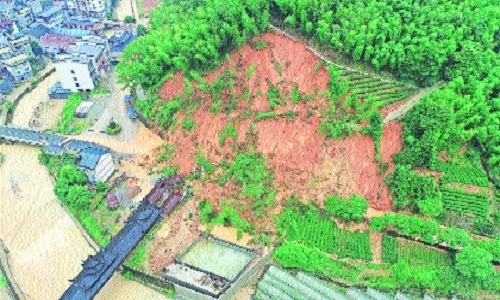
pixel 419 193
pixel 352 209
pixel 423 41
pixel 64 126
pixel 71 189
pixel 190 35
pixel 306 225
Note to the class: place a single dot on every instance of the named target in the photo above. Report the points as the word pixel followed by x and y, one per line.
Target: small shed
pixel 82 110
pixel 58 92
pixel 96 163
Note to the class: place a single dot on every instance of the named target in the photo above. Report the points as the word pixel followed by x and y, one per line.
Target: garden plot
pixel 212 256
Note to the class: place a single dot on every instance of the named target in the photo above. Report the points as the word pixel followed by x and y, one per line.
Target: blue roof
pixel 70 31
pixel 37 30
pixel 90 157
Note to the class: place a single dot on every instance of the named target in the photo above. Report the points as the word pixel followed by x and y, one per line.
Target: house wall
pixel 104 168
pixel 20 71
pixel 81 71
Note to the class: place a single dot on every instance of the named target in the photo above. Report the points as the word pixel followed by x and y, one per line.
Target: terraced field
pixel 384 92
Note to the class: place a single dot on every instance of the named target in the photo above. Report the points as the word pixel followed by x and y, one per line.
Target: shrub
pixel 352 209
pixel 113 128
pixel 188 124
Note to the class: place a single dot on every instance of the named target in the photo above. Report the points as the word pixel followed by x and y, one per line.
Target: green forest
pixel 454 131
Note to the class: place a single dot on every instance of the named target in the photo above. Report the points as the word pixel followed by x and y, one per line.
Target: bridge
pixel 98 269
pixel 52 143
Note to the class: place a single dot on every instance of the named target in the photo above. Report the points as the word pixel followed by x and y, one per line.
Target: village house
pixel 53 16
pixel 118 41
pixel 36 31
pixel 56 43
pixel 93 25
pixel 95 48
pixel 19 67
pixel 70 31
pixel 76 73
pixel 24 17
pixel 5 52
pixel 96 163
pixel 21 44
pixel 88 8
pixel 36 6
pixel 6 11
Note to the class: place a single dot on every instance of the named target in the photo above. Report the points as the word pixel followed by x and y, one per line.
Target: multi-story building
pixel 35 5
pixel 19 67
pixel 93 25
pixel 5 52
pixel 95 48
pixel 21 44
pixel 76 73
pixel 24 17
pixel 90 8
pixel 6 11
pixel 87 58
pixel 52 17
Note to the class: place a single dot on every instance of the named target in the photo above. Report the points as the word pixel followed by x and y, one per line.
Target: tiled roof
pixel 49 12
pixel 90 157
pixel 71 31
pixel 61 41
pixel 37 30
pixel 88 50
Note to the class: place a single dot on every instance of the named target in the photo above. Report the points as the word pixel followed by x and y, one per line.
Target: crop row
pixel 383 92
pixel 475 176
pixel 411 252
pixel 461 201
pixel 316 231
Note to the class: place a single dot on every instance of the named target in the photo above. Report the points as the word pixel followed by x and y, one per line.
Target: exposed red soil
pixel 303 161
pixel 148 5
pixel 392 107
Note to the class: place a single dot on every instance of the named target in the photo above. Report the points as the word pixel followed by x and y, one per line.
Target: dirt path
pixel 403 109
pixel 118 288
pixel 26 107
pixel 46 247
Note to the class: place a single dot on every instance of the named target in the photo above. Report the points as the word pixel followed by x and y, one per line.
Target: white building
pixel 21 44
pixel 88 8
pixel 76 73
pixel 87 59
pixel 96 163
pixel 19 67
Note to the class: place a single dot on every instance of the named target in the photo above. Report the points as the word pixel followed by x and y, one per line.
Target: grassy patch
pixel 65 125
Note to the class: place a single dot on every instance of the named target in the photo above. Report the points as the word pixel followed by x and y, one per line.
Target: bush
pixel 188 124
pixel 113 128
pixel 9 106
pixel 352 209
pixel 63 126
pixel 129 20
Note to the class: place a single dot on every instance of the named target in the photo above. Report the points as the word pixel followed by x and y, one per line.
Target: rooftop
pixel 90 157
pixel 37 30
pixel 55 40
pixel 70 31
pixel 87 50
pixel 50 12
